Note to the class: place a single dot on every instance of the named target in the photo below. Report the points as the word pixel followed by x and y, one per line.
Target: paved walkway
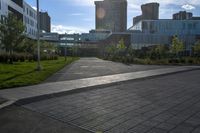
pixel 16 119
pixel 94 67
pixel 169 103
pixel 160 104
pixel 49 89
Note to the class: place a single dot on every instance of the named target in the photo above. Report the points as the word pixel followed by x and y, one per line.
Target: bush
pixel 4 57
pixel 22 57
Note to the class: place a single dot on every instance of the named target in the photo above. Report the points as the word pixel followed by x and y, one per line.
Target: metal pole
pixel 65 52
pixel 38 38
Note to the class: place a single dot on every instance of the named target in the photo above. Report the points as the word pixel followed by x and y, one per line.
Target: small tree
pixel 196 49
pixel 11 34
pixel 177 46
pixel 121 48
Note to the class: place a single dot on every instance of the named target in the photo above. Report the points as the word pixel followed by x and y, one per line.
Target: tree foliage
pixel 11 33
pixel 196 49
pixel 177 45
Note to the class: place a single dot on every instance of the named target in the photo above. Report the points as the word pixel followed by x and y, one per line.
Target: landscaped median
pixel 24 73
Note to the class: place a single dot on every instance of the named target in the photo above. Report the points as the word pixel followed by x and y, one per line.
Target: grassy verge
pixel 23 73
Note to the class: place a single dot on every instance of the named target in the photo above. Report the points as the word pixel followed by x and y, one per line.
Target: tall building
pixel 45 22
pixel 111 15
pixel 182 15
pixel 23 11
pixel 150 11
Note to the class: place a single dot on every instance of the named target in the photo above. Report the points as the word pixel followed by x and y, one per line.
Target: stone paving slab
pixel 51 89
pixel 162 104
pixel 15 119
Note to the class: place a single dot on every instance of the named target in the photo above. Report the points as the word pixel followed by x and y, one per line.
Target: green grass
pixel 24 73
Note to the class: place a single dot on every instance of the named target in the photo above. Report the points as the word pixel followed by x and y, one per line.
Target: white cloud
pixel 188 7
pixel 67 29
pixel 76 14
pixel 35 8
pixel 84 2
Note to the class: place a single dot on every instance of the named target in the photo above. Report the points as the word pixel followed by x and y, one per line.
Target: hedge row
pixel 169 61
pixel 5 57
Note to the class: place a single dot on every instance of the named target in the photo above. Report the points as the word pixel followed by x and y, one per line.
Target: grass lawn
pixel 23 73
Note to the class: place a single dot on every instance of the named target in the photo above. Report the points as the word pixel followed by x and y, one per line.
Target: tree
pixel 121 45
pixel 27 46
pixel 121 48
pixel 196 49
pixel 177 45
pixel 11 34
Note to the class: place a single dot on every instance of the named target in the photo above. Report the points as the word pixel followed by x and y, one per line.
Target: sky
pixel 78 16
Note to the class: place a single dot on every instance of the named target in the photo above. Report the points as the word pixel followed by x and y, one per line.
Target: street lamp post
pixel 38 38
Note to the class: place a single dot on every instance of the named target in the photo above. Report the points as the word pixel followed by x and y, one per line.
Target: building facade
pixel 45 22
pixel 30 20
pixel 95 35
pixel 111 15
pixel 23 11
pixel 155 32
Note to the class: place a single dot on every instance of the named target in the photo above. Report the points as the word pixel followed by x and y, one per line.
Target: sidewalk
pixel 47 90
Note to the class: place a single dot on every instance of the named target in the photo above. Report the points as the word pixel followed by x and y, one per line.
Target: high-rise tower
pixel 150 11
pixel 111 15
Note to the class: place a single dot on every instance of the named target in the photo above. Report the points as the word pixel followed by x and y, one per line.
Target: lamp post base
pixel 39 68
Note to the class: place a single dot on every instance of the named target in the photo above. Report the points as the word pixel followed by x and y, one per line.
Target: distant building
pixel 182 15
pixel 150 11
pixel 23 11
pixel 111 15
pixel 95 35
pixel 51 37
pixel 45 22
pixel 137 19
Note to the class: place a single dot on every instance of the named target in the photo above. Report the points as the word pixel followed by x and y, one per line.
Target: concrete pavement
pixel 94 67
pixel 169 103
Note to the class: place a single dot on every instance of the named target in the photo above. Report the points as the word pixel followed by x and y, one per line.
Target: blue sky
pixel 75 16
